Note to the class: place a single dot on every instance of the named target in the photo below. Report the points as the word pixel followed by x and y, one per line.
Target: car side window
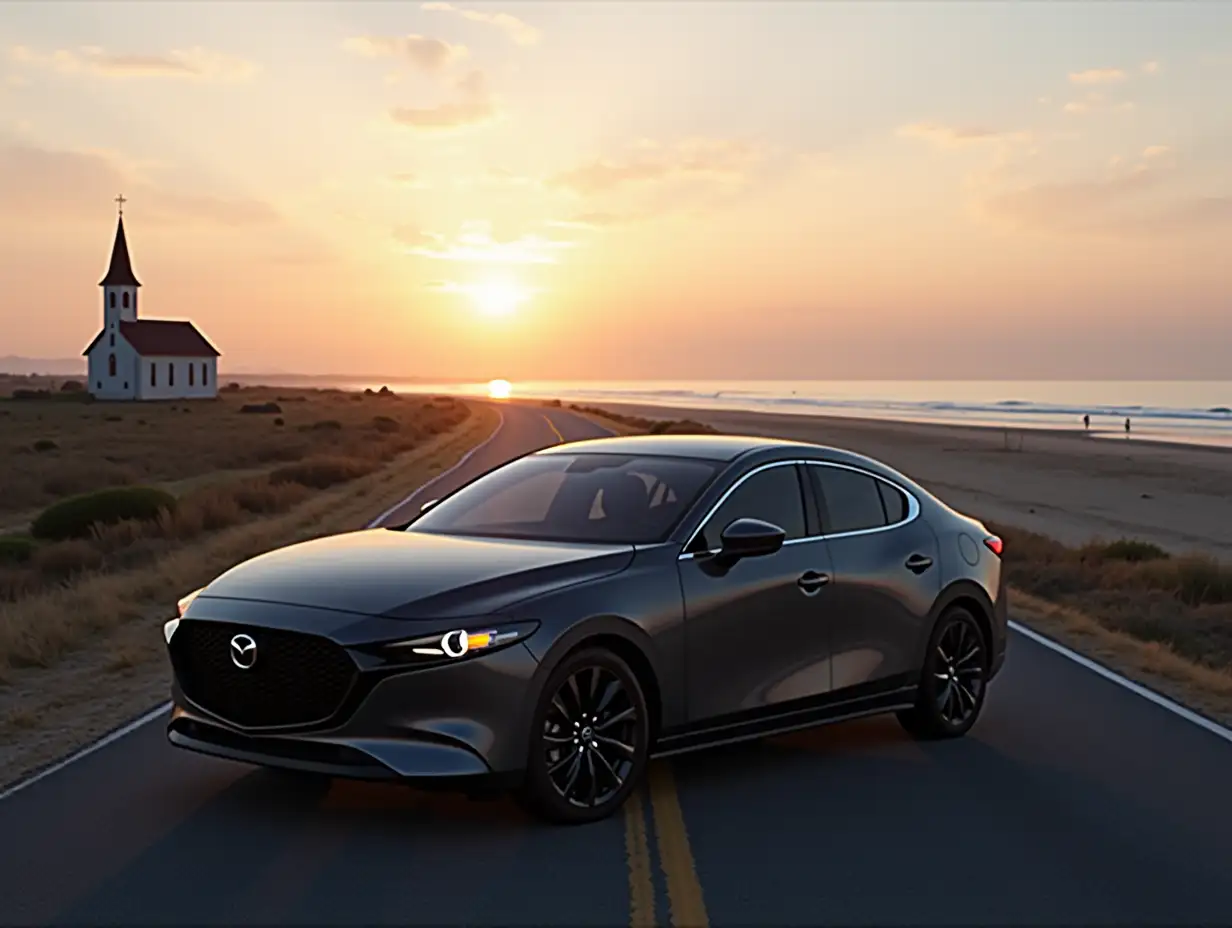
pixel 772 495
pixel 894 501
pixel 852 500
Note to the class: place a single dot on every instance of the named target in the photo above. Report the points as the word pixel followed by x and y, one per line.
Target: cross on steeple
pixel 121 200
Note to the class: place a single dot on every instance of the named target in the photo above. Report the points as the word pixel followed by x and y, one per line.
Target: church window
pixel 111 367
pixel 171 373
pixel 126 301
pixel 153 374
pixel 190 374
pixel 126 385
pixel 112 337
pixel 112 299
pixel 205 374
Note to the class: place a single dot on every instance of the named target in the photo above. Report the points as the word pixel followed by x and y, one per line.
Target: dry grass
pixel 85 657
pixel 123 553
pixel 92 445
pixel 1183 604
pixel 318 453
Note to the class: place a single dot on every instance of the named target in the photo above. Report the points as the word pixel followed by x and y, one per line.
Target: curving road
pixel 1073 801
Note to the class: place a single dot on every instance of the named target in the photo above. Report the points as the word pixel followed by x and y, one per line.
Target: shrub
pixel 1129 549
pixel 263 408
pixel 385 424
pixel 76 517
pixel 72 386
pixel 280 421
pixel 322 472
pixel 324 425
pixel 45 444
pixel 16 549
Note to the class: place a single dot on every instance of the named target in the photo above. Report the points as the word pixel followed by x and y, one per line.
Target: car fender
pixel 961 588
pixel 550 651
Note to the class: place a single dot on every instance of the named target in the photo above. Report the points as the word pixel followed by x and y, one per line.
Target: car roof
pixel 706 447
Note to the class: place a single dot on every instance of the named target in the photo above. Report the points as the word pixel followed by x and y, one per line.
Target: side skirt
pixel 782 723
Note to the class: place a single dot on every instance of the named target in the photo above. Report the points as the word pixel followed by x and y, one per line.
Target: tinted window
pixel 853 501
pixel 772 495
pixel 894 501
pixel 573 497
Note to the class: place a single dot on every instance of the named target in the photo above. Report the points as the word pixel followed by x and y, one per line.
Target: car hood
pixel 414 575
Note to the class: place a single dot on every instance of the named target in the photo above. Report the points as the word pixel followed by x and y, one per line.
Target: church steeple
pixel 120 283
pixel 120 272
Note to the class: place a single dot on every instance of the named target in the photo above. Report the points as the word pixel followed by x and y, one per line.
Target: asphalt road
pixel 1073 801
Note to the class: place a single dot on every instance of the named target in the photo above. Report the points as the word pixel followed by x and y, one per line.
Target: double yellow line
pixel 686 904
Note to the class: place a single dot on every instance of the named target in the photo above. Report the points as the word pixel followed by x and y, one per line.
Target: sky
pixel 629 190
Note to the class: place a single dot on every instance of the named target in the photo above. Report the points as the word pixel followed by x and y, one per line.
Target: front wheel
pixel 954 679
pixel 590 740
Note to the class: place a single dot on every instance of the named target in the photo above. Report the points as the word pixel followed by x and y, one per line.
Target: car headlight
pixel 180 608
pixel 458 643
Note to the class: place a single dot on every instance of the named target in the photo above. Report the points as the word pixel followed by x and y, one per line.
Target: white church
pixel 145 359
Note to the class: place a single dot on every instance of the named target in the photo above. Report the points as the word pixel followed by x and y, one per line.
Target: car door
pixel 755 631
pixel 886 574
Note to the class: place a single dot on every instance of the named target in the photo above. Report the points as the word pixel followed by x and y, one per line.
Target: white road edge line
pixel 1150 695
pixel 1146 693
pixel 165 707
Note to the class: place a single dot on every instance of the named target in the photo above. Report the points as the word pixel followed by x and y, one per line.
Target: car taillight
pixel 994 544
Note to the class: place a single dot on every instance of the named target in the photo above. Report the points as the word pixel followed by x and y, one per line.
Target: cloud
pixel 1128 202
pixel 39 184
pixel 1095 101
pixel 193 63
pixel 590 221
pixel 1151 67
pixel 422 52
pixel 1098 76
pixel 712 159
pixel 956 136
pixel 475 107
pixel 520 32
pixel 475 242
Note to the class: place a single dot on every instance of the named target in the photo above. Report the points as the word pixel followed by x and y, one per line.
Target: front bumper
pixel 468 721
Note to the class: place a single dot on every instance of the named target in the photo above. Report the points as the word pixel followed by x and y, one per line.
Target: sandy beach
pixel 1071 486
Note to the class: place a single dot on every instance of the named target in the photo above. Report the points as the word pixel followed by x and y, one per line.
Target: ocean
pixel 1192 412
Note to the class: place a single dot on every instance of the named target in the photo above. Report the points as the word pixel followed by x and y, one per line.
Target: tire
pixel 571 779
pixel 957 653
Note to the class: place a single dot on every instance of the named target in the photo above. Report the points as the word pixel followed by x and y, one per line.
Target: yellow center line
pixel 552 425
pixel 684 889
pixel 641 884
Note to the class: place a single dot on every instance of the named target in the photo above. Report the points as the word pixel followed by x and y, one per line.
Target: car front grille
pixel 296 678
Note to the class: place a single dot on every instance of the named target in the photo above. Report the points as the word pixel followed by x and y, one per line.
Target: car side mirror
pixel 750 538
pixel 428 505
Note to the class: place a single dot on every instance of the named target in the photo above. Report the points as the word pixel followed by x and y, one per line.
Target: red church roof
pixel 159 338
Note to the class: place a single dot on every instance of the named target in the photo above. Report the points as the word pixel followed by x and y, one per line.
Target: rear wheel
pixel 589 740
pixel 953 681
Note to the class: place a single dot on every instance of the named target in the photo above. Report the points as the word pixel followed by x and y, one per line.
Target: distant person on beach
pixel 1086 423
pixel 1127 426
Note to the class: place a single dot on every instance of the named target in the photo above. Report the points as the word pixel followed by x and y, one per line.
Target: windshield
pixel 597 498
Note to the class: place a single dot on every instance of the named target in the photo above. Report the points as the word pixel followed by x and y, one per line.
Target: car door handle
pixel 811 582
pixel 918 563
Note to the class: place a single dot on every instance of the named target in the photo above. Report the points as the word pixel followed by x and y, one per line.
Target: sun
pixel 497 298
pixel 500 389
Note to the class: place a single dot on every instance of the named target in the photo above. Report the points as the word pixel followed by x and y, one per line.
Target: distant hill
pixel 57 367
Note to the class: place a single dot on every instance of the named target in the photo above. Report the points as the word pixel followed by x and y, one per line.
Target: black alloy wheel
pixel 590 739
pixel 953 681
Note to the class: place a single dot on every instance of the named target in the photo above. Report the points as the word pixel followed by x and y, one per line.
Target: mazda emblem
pixel 243 652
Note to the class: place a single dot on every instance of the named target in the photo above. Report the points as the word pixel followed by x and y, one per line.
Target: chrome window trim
pixel 913 505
